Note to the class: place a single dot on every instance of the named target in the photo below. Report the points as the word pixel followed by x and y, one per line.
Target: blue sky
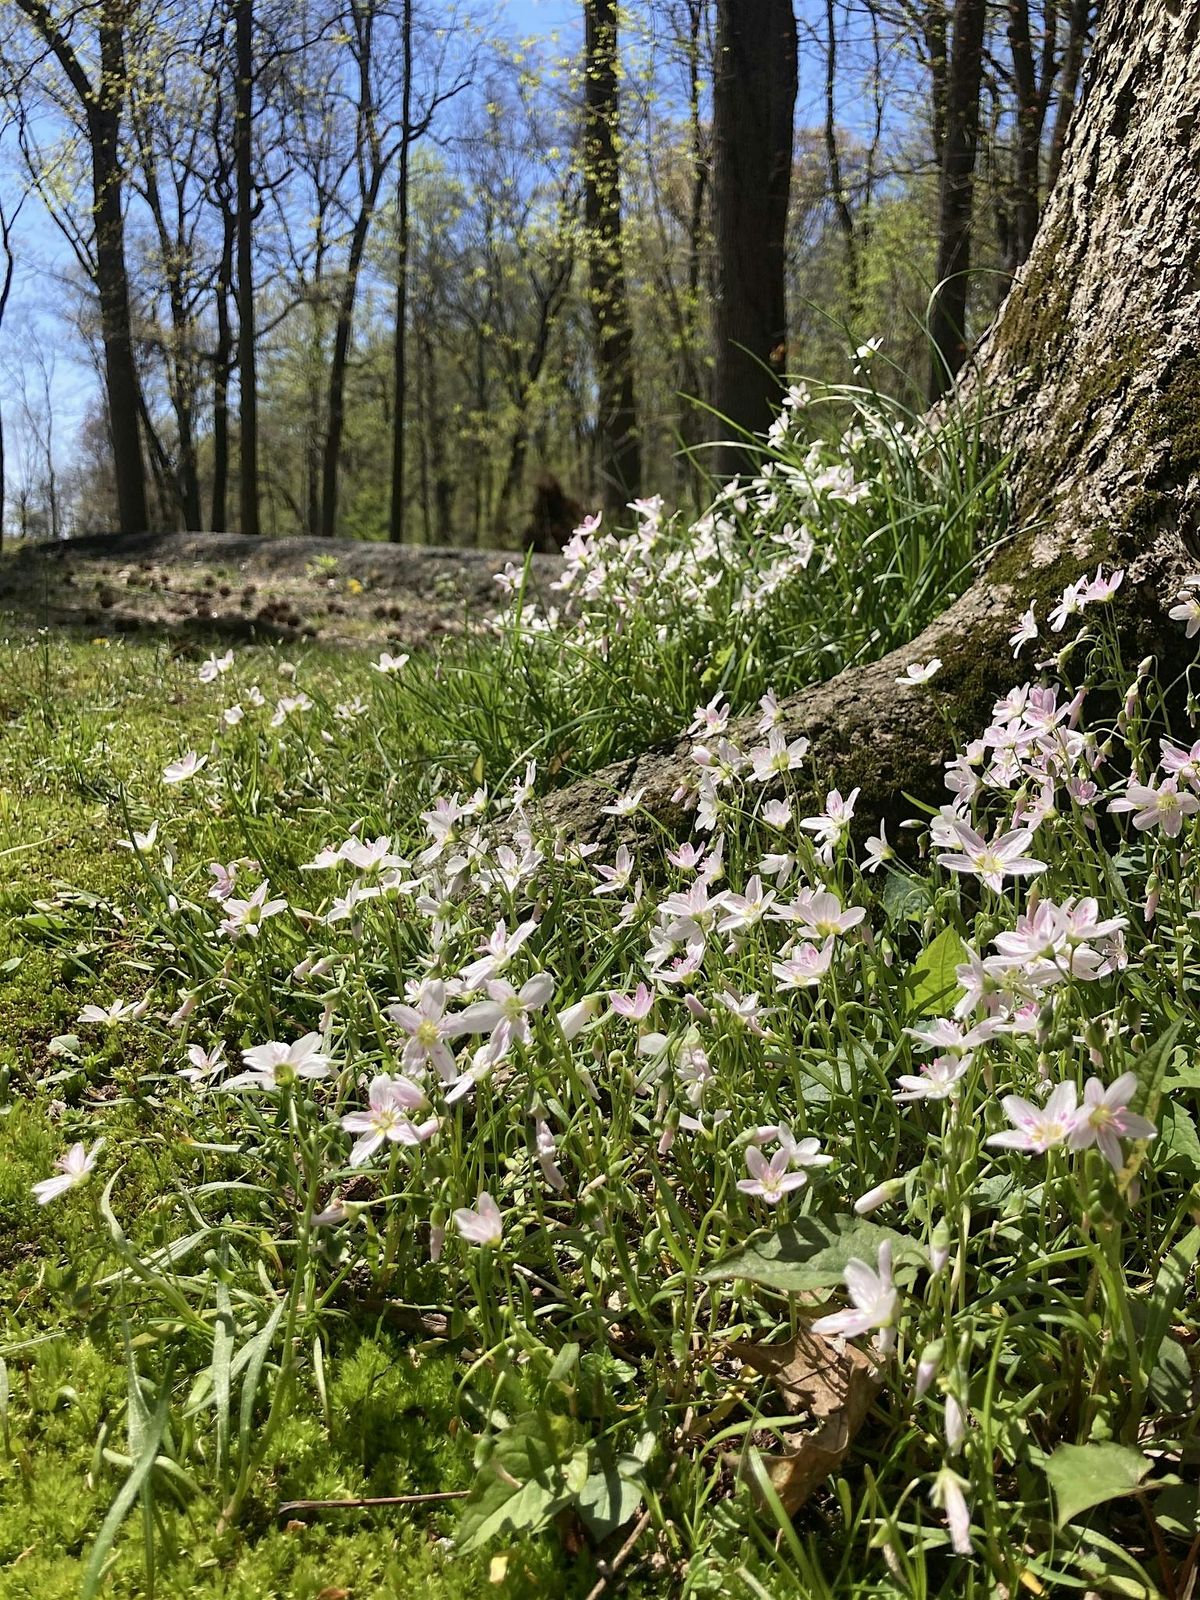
pixel 35 313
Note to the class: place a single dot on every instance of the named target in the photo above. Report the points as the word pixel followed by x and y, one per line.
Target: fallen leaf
pixel 833 1386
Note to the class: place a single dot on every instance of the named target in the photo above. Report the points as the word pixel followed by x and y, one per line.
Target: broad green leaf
pixel 932 978
pixel 808 1255
pixel 1184 1074
pixel 612 1493
pixel 536 1466
pixel 1178 1143
pixel 905 897
pixel 1086 1475
pixel 1177 1509
pixel 1171 1382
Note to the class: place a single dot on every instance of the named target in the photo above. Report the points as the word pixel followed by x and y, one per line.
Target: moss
pixel 1036 315
pixel 1173 419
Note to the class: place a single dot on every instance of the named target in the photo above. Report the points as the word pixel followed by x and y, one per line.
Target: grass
pixel 242 1306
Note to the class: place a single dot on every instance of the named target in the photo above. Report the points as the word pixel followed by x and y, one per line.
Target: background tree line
pixel 368 267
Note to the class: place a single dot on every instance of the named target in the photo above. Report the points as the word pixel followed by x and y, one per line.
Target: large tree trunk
pixel 754 99
pixel 1092 371
pixel 619 450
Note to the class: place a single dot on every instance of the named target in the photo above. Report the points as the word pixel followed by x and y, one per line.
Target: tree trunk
pixel 112 283
pixel 619 451
pixel 956 194
pixel 837 189
pixel 10 263
pixel 1092 372
pixel 400 367
pixel 1078 27
pixel 222 367
pixel 754 98
pixel 244 179
pixel 336 412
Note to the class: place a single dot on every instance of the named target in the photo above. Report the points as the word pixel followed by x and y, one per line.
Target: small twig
pixel 609 1569
pixel 374 1500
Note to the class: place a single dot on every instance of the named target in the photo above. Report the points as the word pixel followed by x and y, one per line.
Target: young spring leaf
pixel 1087 1475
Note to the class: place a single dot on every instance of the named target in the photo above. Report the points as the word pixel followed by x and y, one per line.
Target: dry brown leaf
pixel 832 1386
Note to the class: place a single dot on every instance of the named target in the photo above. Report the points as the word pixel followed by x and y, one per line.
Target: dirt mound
pixel 224 585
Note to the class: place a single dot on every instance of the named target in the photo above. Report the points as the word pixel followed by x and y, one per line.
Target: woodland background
pixel 382 267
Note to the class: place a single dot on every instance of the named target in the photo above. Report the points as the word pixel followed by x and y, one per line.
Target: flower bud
pixel 939 1246
pixel 878 1196
pixel 955 1425
pixel 927 1367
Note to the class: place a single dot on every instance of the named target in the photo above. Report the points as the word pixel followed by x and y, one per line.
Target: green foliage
pixel 1087 1475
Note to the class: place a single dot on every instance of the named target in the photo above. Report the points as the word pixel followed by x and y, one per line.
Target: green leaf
pixel 1184 1075
pixel 1171 1382
pixel 933 975
pixel 536 1466
pixel 1179 1144
pixel 223 1335
pixel 1151 1066
pixel 807 1254
pixel 130 1489
pixel 1177 1509
pixel 1086 1475
pixel 1173 1273
pixel 612 1494
pixel 256 1352
pixel 905 897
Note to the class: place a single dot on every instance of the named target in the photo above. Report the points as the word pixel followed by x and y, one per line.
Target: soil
pixel 228 587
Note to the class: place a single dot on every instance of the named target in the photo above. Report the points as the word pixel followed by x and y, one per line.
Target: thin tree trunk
pixel 619 451
pixel 222 368
pixel 1091 373
pixel 10 262
pixel 754 97
pixel 956 194
pixel 101 105
pixel 841 205
pixel 336 406
pixel 1078 22
pixel 400 365
pixel 112 282
pixel 243 13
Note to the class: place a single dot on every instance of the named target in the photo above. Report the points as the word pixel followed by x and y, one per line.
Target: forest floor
pixel 228 587
pixel 397 1197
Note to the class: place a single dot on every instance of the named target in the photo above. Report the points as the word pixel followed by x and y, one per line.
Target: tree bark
pixel 112 282
pixel 343 329
pixel 837 189
pixel 754 98
pixel 400 349
pixel 1091 374
pixel 1078 28
pixel 243 16
pixel 956 193
pixel 619 450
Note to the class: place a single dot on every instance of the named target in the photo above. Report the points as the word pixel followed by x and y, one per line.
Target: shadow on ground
pixel 229 587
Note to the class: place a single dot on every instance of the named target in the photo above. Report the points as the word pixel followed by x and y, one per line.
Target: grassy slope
pixel 392 1405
